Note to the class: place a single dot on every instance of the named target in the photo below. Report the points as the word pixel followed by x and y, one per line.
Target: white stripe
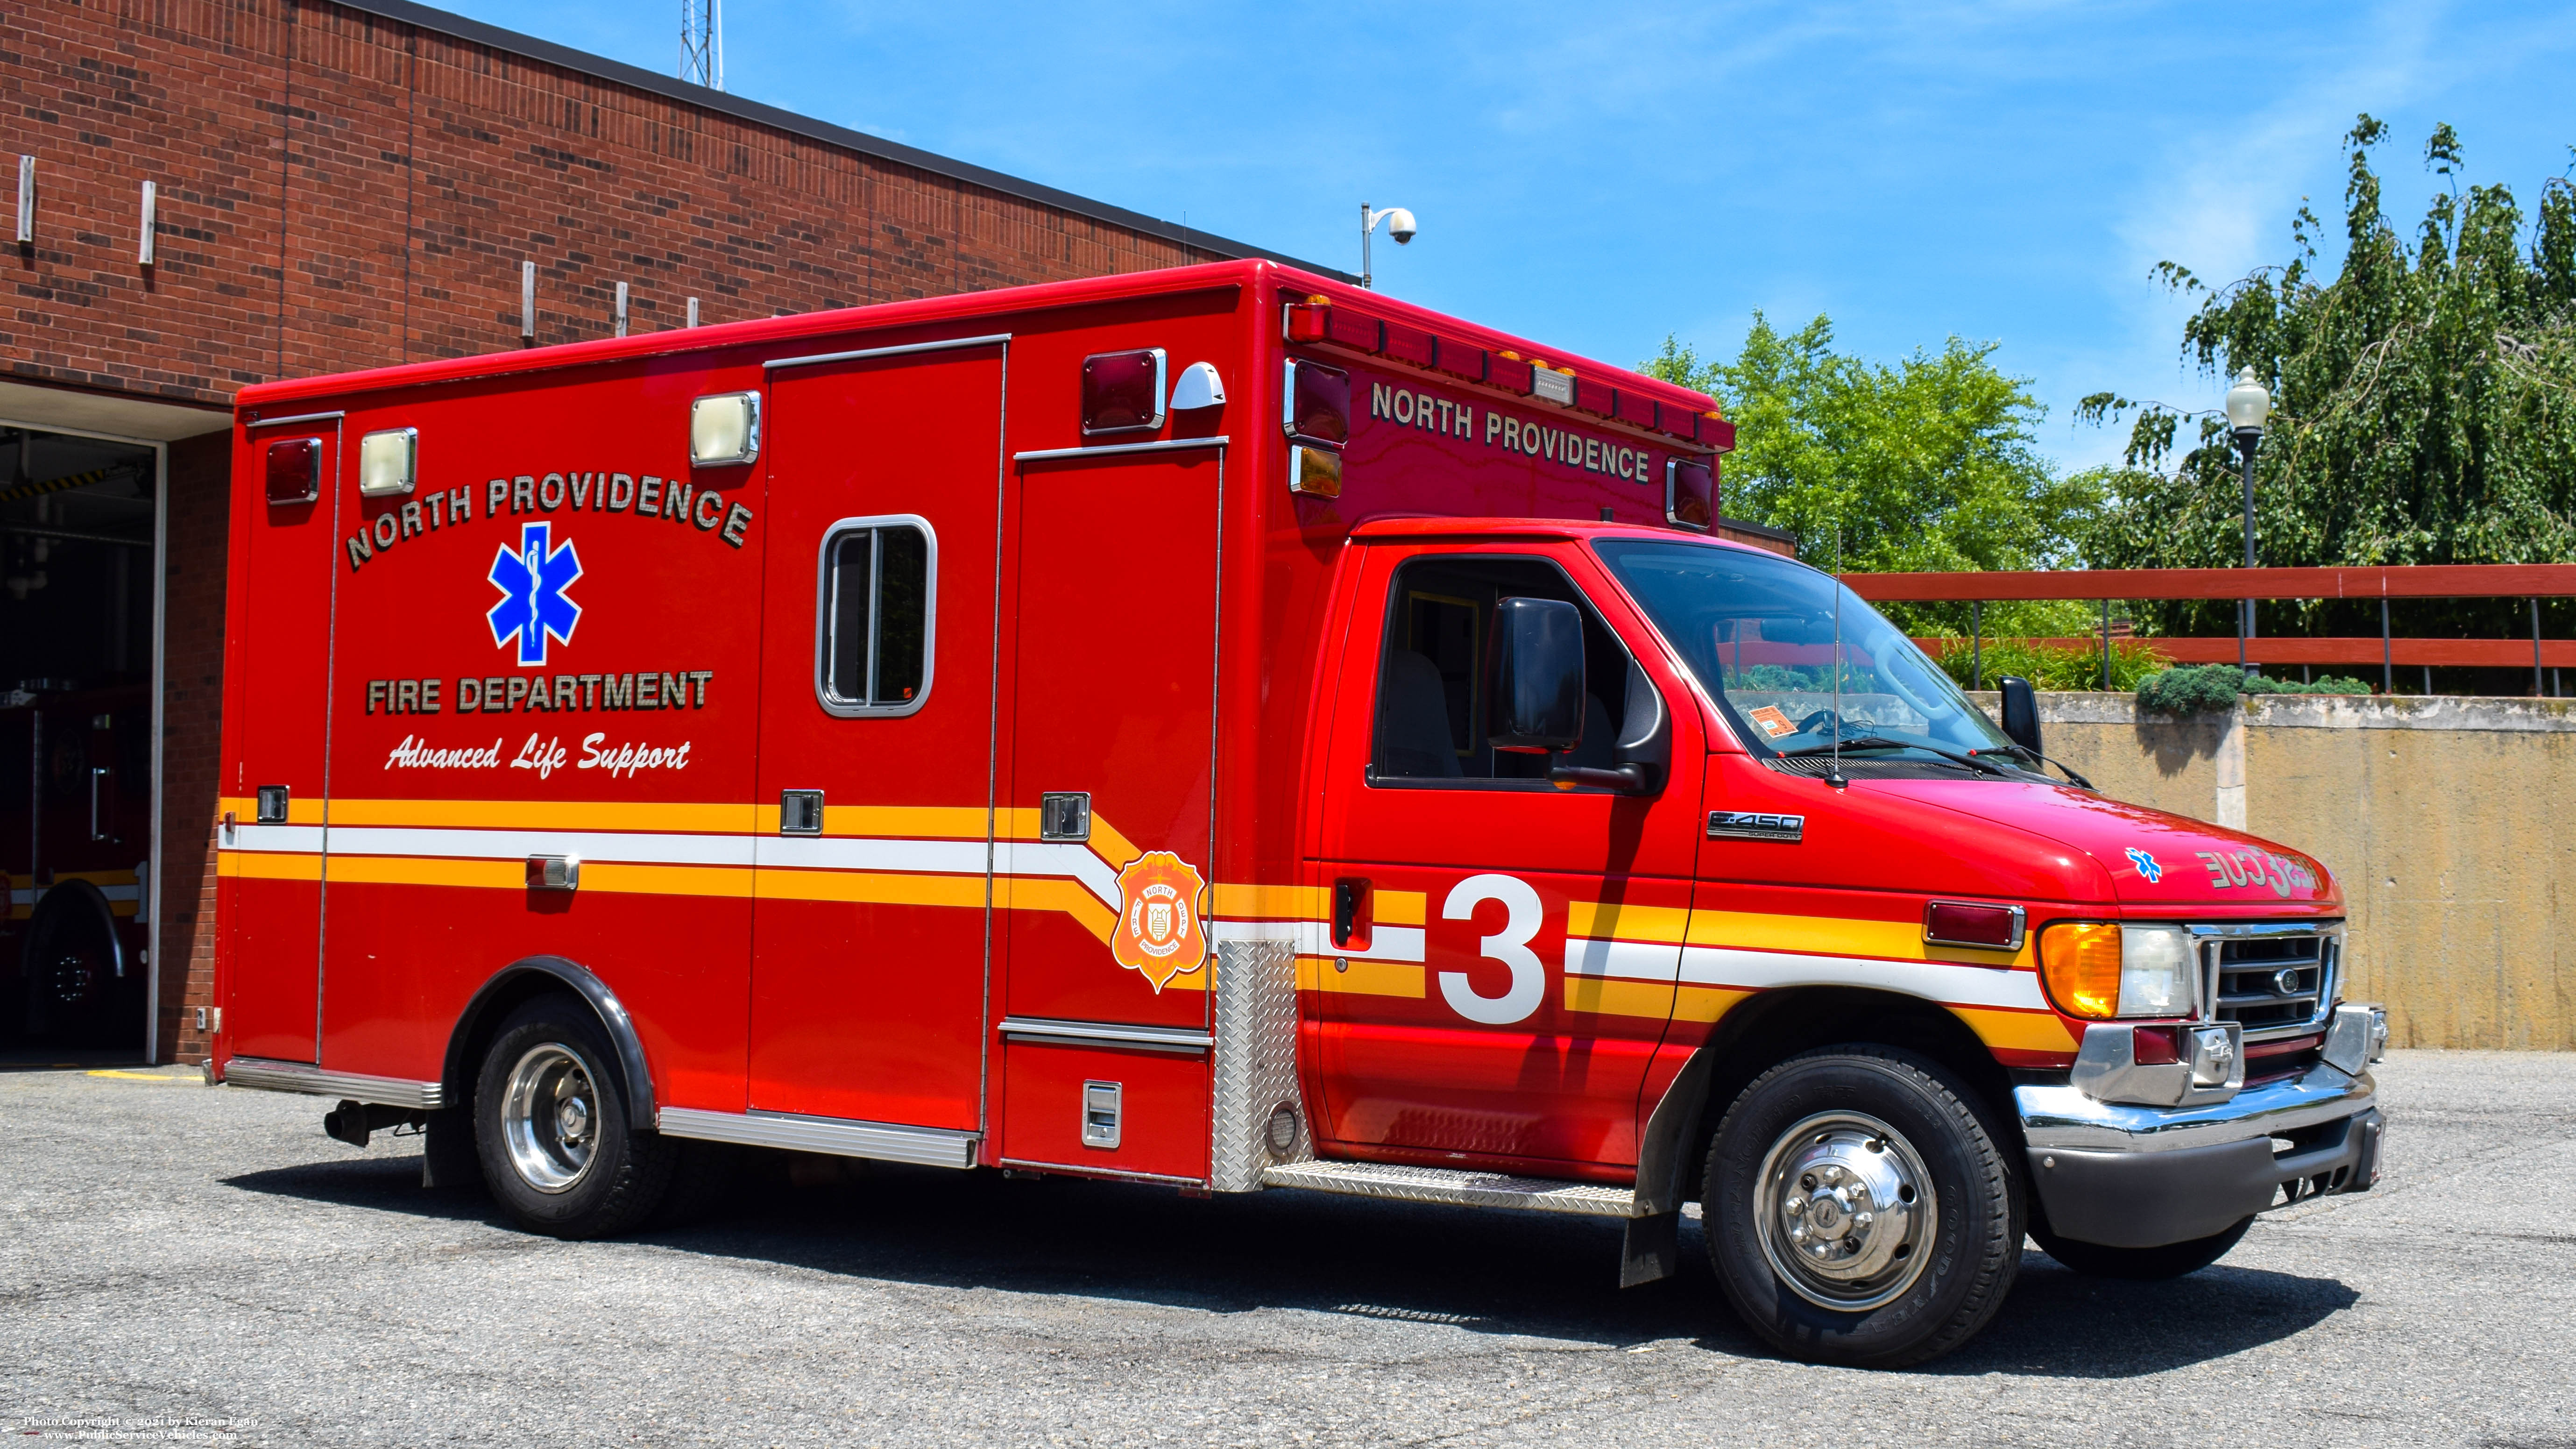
pixel 1636 960
pixel 1253 930
pixel 303 839
pixel 1932 980
pixel 826 852
pixel 1386 943
pixel 800 852
pixel 1022 858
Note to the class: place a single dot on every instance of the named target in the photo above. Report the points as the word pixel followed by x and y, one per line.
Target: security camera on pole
pixel 2248 406
pixel 1399 225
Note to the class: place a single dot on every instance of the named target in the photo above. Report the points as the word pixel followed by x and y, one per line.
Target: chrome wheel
pixel 550 1118
pixel 1845 1210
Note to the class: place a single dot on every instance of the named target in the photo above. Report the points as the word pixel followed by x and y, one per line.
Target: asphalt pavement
pixel 186 1265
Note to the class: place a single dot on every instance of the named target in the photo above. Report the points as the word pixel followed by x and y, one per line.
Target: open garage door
pixel 77 530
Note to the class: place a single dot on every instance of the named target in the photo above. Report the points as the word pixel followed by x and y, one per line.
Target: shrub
pixel 2208 688
pixel 2052 667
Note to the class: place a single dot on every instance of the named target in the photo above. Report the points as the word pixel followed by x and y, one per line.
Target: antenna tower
pixel 702 42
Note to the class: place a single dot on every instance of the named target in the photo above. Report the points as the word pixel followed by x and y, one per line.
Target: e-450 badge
pixel 1159 932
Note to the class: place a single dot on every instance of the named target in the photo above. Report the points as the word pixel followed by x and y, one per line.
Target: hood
pixel 2152 858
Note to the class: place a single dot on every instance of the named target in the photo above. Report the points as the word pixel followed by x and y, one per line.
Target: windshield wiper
pixel 2027 753
pixel 1882 742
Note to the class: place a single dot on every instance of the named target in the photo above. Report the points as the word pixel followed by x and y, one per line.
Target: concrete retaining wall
pixel 2450 822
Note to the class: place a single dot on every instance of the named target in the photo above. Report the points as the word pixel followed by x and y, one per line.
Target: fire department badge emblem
pixel 1159 930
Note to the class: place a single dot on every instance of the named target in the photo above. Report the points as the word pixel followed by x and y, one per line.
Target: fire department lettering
pixel 535 693
pixel 1159 932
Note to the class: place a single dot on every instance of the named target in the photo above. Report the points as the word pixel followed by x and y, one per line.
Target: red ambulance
pixel 1224 729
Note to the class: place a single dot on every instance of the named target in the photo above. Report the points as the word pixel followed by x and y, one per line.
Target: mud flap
pixel 1651 1249
pixel 447 1150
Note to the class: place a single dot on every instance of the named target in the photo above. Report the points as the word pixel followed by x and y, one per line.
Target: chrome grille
pixel 2274 982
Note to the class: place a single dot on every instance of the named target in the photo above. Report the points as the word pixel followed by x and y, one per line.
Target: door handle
pixel 1351 914
pixel 97 773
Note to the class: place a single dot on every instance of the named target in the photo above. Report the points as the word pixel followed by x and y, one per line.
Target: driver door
pixel 1503 961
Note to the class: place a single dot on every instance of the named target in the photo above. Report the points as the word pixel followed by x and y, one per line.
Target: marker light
pixel 1122 392
pixel 1973 923
pixel 1317 405
pixel 294 471
pixel 1690 492
pixel 387 461
pixel 2102 971
pixel 724 429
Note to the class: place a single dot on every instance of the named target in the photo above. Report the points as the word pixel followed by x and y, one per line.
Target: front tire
pixel 1858 1211
pixel 551 1131
pixel 2139 1265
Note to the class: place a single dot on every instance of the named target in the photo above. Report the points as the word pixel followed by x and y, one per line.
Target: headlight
pixel 2102 971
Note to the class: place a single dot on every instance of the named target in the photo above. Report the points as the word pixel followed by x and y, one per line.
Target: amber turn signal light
pixel 2081 966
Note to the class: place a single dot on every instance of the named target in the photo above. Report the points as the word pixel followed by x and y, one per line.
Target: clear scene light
pixel 388 461
pixel 724 429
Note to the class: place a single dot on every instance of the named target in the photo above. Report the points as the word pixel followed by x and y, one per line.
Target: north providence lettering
pixel 1431 412
pixel 530 694
pixel 646 496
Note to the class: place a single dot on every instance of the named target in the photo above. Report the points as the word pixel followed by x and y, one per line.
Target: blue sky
pixel 1597 176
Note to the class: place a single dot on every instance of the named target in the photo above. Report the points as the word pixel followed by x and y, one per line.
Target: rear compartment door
pixel 1112 714
pixel 280 693
pixel 869 921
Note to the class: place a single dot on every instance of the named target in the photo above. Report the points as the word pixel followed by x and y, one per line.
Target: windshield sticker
pixel 1771 721
pixel 2147 865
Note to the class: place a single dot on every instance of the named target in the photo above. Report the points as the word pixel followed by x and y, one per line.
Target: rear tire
pixel 550 1127
pixel 2139 1265
pixel 1858 1211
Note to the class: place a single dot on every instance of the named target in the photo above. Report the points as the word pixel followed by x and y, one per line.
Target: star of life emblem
pixel 2148 866
pixel 1159 932
pixel 532 581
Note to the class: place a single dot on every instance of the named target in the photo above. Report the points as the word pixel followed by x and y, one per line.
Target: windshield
pixel 1758 632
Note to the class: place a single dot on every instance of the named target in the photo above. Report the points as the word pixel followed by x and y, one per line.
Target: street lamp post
pixel 1399 225
pixel 2248 407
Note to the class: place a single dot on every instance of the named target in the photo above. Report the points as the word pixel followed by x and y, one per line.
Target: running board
pixel 1466 1189
pixel 882 1141
pixel 271 1076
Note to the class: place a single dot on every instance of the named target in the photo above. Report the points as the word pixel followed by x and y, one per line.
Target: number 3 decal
pixel 1510 945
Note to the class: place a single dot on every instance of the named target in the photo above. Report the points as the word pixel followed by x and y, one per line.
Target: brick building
pixel 211 193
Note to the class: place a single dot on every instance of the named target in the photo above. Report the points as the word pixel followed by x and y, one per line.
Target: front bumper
pixel 2139 1177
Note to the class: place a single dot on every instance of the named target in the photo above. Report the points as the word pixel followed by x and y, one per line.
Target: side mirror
pixel 1534 677
pixel 1641 758
pixel 2021 712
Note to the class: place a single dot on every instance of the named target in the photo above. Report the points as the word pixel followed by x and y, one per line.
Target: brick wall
pixel 192 662
pixel 341 188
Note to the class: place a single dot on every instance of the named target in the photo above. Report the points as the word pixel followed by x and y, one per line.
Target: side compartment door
pixel 1107 818
pixel 869 924
pixel 271 863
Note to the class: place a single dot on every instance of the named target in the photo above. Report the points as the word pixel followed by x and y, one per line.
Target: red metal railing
pixel 2429 581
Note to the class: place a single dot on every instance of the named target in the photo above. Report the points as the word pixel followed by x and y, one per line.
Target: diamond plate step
pixel 1450 1185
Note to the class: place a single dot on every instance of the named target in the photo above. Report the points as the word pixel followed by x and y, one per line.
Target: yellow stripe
pixel 1398 908
pixel 549 814
pixel 1272 902
pixel 412 870
pixel 941 822
pixel 1610 997
pixel 268 865
pixel 869 888
pixel 1836 936
pixel 1705 1003
pixel 2030 1031
pixel 1622 922
pixel 1055 895
pixel 1364 978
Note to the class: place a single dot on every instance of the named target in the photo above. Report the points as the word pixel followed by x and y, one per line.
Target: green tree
pixel 2424 406
pixel 1927 465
